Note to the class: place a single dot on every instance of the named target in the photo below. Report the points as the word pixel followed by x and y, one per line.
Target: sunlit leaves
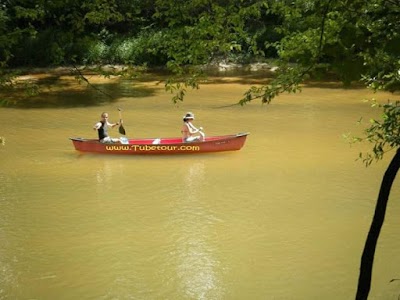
pixel 197 31
pixel 383 134
pixel 287 80
pixel 101 11
pixel 178 86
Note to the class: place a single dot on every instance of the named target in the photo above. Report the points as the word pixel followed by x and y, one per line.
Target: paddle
pixel 121 128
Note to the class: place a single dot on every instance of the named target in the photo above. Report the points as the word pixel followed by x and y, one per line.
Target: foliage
pixel 153 33
pixel 179 87
pixel 383 134
pixel 196 32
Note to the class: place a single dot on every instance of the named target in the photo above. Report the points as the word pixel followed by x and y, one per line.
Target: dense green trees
pixel 353 40
pixel 64 32
pixel 178 35
pixel 43 33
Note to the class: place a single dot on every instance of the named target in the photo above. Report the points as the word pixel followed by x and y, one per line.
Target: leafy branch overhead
pixel 288 80
pixel 383 134
pixel 179 87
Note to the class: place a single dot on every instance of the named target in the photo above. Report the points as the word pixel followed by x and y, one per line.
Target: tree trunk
pixel 367 259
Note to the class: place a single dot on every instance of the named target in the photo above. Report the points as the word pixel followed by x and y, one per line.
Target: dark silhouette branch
pixel 367 259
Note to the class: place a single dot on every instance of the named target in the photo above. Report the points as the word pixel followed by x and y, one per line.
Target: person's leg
pixel 106 140
pixel 109 140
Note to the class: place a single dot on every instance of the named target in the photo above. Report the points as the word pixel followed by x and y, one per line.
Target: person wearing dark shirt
pixel 102 129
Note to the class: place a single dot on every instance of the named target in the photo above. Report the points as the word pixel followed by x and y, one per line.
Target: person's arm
pixel 112 125
pixel 97 126
pixel 192 128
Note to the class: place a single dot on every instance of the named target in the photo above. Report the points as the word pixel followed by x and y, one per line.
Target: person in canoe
pixel 189 130
pixel 102 129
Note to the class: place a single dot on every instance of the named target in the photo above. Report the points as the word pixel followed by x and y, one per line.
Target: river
pixel 285 217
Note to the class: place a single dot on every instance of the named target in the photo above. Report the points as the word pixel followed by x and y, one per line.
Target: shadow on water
pixel 263 78
pixel 249 77
pixel 61 92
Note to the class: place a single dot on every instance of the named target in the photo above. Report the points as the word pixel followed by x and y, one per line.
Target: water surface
pixel 284 218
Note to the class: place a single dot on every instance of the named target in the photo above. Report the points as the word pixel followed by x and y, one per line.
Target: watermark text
pixel 150 148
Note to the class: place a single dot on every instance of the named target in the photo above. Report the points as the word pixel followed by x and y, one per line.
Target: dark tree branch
pixel 367 259
pixel 323 22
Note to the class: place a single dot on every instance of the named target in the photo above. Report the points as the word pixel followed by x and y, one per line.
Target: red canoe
pixel 163 146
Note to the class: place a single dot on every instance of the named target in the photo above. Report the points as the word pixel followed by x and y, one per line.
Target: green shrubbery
pixel 62 49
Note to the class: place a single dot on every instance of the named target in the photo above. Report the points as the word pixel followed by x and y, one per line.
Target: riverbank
pixel 218 67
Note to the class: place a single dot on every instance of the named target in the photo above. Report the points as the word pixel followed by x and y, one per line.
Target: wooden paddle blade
pixel 121 129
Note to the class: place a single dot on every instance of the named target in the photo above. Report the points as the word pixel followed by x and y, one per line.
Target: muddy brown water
pixel 284 218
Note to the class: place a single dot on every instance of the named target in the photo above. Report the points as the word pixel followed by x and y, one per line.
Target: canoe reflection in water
pixel 195 254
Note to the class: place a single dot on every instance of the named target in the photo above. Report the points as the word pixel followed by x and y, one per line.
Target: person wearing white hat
pixel 188 129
